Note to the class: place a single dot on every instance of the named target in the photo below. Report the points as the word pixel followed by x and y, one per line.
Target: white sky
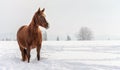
pixel 65 17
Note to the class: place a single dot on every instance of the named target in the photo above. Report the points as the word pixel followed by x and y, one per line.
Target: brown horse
pixel 29 37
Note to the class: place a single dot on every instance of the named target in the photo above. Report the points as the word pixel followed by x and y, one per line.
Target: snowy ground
pixel 62 55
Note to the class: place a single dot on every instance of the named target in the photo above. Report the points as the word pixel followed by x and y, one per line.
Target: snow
pixel 63 55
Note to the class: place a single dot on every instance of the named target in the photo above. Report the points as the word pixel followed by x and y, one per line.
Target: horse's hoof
pixel 38 59
pixel 28 60
pixel 23 59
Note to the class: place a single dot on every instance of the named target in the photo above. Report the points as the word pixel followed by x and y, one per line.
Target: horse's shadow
pixel 18 60
pixel 42 59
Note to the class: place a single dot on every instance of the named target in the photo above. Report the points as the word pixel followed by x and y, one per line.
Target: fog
pixel 65 17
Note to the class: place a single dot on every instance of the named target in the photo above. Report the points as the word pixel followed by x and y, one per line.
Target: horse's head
pixel 39 18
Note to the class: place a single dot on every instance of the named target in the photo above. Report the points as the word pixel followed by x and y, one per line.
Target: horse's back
pixel 21 30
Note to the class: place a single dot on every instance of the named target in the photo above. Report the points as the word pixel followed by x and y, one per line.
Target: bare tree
pixel 68 38
pixel 58 38
pixel 85 34
pixel 44 35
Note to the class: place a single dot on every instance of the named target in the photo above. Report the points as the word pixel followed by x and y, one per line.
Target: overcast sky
pixel 65 17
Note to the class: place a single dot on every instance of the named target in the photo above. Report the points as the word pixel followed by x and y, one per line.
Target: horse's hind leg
pixel 38 52
pixel 28 54
pixel 23 53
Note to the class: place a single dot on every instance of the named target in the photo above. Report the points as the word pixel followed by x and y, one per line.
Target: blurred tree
pixel 44 35
pixel 68 38
pixel 85 34
pixel 58 38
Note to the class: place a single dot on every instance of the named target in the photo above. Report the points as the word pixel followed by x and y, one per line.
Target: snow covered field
pixel 63 55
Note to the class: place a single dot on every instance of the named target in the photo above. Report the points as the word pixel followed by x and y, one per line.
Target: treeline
pixel 84 33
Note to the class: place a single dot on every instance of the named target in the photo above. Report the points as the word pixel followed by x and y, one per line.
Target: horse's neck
pixel 33 28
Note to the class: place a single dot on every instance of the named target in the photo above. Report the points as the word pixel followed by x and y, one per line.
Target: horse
pixel 30 36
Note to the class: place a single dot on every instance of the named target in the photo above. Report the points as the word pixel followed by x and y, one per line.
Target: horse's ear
pixel 43 10
pixel 38 10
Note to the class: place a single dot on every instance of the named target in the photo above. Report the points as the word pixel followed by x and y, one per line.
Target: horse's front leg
pixel 38 51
